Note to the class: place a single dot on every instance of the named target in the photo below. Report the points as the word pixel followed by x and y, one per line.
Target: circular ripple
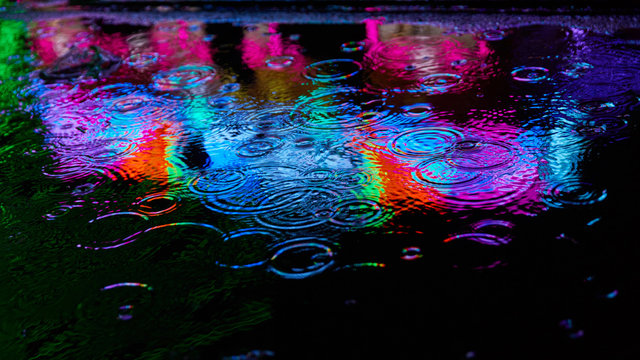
pixel 183 77
pixel 408 48
pixel 142 60
pixel 280 119
pixel 481 238
pixel 158 204
pixel 259 147
pixel 119 301
pixel 337 109
pixel 530 74
pixel 309 210
pixel 358 213
pixel 332 70
pixel 602 126
pixel 254 198
pixel 117 220
pixel 301 258
pixel 246 248
pixel 108 151
pixel 411 253
pixel 492 35
pixel 440 81
pixel 418 110
pixel 217 181
pixel 139 108
pixel 280 62
pixel 481 154
pixel 425 141
pixel 573 193
pixel 352 46
pixel 598 107
pixel 319 176
pixel 352 179
pixel 440 172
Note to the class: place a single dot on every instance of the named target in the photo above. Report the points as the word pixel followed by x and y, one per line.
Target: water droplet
pixel 301 258
pixel 280 62
pixel 531 74
pixel 332 70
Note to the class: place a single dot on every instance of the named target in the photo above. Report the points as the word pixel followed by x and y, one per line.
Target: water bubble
pixel 440 172
pixel 217 181
pixel 158 204
pixel 301 258
pixel 332 70
pixel 411 253
pixel 427 141
pixel 259 147
pixel 280 62
pixel 572 193
pixel 183 77
pixel 530 74
pixel 440 82
pixel 352 46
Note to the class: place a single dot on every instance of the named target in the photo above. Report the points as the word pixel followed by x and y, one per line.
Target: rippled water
pixel 190 190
